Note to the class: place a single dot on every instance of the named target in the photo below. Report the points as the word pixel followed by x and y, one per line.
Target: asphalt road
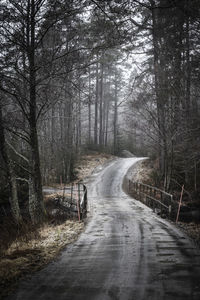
pixel 126 252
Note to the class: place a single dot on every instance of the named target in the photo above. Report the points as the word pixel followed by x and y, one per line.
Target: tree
pixel 10 173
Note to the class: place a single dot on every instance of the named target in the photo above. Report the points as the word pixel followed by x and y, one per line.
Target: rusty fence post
pixel 179 206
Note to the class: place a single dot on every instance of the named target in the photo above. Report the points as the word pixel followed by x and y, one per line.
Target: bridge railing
pixel 74 199
pixel 159 200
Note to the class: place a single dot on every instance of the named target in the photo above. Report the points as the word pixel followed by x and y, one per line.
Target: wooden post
pixel 154 202
pixel 151 201
pixel 153 206
pixel 78 204
pixel 161 200
pixel 179 207
pixel 143 196
pixel 72 192
pixel 79 192
pixel 170 210
pixel 85 197
pixel 170 206
pixel 63 197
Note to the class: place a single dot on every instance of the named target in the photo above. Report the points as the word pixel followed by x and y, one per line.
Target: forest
pixel 91 75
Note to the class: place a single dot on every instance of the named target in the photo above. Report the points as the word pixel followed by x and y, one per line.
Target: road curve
pixel 125 253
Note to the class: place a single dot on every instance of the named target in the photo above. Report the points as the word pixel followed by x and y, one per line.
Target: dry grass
pixel 141 172
pixel 86 165
pixel 27 249
pixel 23 257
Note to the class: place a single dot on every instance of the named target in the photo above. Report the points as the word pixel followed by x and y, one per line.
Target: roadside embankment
pixel 29 251
pixel 143 171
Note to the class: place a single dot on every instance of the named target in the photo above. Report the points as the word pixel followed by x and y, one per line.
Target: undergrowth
pixel 12 232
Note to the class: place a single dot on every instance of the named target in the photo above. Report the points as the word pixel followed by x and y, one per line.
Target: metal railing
pixel 158 200
pixel 74 199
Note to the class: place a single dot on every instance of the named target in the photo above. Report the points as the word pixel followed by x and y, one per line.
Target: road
pixel 125 253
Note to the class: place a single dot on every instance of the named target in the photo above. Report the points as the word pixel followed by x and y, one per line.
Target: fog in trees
pixel 80 76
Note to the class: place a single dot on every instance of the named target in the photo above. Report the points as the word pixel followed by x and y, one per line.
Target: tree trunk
pixel 96 106
pixel 13 199
pixel 79 117
pixel 107 117
pixel 36 204
pixel 101 134
pixel 115 117
pixel 89 110
pixel 158 92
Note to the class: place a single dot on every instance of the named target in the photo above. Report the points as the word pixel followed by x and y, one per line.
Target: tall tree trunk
pixel 187 116
pixel 13 199
pixel 158 91
pixel 96 105
pixel 71 138
pixel 115 116
pixel 188 71
pixel 36 204
pixel 79 117
pixel 89 110
pixel 107 117
pixel 101 134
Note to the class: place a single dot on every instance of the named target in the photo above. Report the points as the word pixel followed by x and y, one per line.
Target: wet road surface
pixel 125 253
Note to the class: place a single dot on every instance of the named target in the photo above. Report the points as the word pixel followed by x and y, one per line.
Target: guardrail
pixel 74 199
pixel 158 200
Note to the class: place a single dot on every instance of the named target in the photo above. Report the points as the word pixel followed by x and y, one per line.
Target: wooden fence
pixel 160 201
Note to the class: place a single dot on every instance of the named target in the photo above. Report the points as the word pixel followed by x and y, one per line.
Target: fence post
pixel 179 207
pixel 154 206
pixel 72 192
pixel 79 200
pixel 78 204
pixel 170 210
pixel 85 196
pixel 63 197
pixel 161 200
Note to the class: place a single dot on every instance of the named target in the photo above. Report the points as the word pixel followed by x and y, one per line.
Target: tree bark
pixel 158 92
pixel 96 105
pixel 115 116
pixel 13 199
pixel 101 133
pixel 36 204
pixel 89 110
